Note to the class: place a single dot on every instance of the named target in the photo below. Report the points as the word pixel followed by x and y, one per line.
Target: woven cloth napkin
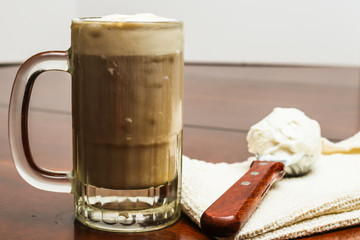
pixel 326 198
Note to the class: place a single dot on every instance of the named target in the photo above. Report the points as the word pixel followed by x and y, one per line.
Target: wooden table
pixel 220 104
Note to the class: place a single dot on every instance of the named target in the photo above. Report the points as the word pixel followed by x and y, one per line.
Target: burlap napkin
pixel 326 198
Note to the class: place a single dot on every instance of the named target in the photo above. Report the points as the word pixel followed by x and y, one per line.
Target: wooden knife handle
pixel 229 213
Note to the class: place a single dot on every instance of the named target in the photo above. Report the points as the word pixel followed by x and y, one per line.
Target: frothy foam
pixel 139 34
pixel 140 17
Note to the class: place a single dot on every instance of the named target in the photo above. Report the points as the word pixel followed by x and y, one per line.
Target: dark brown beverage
pixel 127 119
pixel 127 92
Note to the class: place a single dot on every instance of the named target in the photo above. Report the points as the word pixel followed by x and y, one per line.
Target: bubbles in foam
pixel 140 17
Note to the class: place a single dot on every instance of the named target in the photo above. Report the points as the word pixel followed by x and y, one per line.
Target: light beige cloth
pixel 326 198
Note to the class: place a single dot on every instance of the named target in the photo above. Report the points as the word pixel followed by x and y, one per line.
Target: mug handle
pixel 55 181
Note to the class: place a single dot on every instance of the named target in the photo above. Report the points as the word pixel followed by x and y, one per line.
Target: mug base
pixel 137 210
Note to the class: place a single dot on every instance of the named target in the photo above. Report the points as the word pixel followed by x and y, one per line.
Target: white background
pixel 305 32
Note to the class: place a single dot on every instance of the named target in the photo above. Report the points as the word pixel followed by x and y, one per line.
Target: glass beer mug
pixel 127 97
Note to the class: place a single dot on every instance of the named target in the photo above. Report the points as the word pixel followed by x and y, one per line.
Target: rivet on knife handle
pixel 229 213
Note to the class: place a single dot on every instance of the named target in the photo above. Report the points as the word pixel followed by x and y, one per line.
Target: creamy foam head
pixel 140 17
pixel 140 34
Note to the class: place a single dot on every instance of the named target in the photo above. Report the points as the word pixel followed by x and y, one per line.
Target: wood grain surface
pixel 221 103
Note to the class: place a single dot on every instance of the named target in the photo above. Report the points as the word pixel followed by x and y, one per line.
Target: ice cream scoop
pixel 289 136
pixel 286 141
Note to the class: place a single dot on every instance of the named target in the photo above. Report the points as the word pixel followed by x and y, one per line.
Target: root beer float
pixel 127 96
